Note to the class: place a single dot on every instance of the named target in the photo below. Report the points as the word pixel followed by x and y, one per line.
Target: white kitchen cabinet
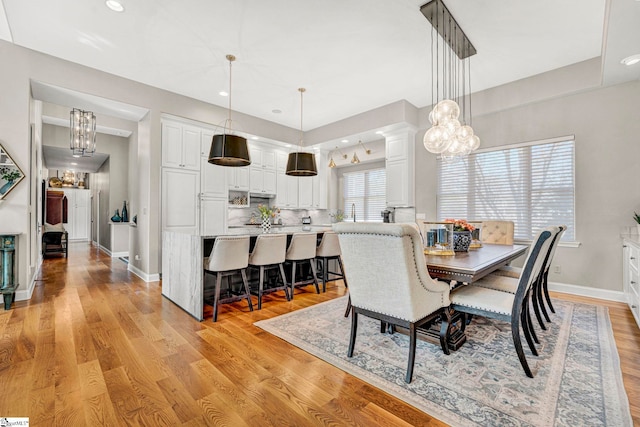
pixel 213 216
pixel 305 192
pixel 400 174
pixel 261 156
pixel 238 178
pixel 213 179
pixel 180 146
pixel 320 183
pixel 206 138
pixel 263 181
pixel 281 161
pixel 180 190
pixel 286 191
pixel 78 213
pixel 631 276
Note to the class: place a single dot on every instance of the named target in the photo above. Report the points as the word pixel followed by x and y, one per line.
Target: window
pixel 367 191
pixel 531 184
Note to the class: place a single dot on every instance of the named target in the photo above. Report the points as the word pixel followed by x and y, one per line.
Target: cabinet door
pixel 180 190
pixel 281 190
pixel 213 179
pixel 213 216
pixel 269 181
pixel 242 178
pixel 397 183
pixel 281 161
pixel 255 153
pixel 305 192
pixel 292 191
pixel 268 159
pixel 205 142
pixel 191 148
pixel 256 179
pixel 171 145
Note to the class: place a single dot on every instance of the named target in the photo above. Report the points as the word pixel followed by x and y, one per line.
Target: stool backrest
pixel 269 249
pixel 229 253
pixel 329 245
pixel 302 246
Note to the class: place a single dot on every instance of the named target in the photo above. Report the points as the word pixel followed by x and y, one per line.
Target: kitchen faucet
pixel 353 211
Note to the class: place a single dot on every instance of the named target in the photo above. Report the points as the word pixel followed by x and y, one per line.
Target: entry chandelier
pixel 301 163
pixel 451 134
pixel 83 133
pixel 228 149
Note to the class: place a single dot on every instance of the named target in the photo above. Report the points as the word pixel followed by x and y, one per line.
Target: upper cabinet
pixel 238 178
pixel 400 168
pixel 213 179
pixel 180 146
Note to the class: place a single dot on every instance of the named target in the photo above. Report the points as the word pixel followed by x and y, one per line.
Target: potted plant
pixel 266 213
pixel 461 234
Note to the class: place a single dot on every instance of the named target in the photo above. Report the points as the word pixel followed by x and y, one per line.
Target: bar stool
pixel 302 248
pixel 269 252
pixel 329 249
pixel 229 255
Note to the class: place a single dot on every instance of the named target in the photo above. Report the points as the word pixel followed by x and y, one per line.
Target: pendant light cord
pixel 301 90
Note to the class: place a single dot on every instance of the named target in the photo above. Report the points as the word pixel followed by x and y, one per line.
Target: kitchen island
pixel 183 256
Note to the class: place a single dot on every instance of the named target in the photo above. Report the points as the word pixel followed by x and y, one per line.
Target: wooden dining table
pixel 465 268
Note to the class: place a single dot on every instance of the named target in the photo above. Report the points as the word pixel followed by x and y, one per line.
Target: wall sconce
pixel 355 160
pixel 332 164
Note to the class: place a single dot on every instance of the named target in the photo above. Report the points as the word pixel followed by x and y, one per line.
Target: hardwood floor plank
pixel 98 346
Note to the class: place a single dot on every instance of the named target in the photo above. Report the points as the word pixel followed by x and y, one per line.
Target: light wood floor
pixel 98 346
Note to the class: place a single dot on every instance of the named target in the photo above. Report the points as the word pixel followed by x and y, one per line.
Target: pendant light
pixel 227 149
pixel 83 133
pixel 301 163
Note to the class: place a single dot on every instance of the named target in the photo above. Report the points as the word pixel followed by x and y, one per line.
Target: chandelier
pixel 83 133
pixel 228 149
pixel 451 134
pixel 301 163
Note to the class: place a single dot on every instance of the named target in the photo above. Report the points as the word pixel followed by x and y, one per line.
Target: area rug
pixel 577 374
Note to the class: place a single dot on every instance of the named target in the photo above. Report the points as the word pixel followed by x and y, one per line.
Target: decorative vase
pixel 461 241
pixel 5 188
pixel 116 217
pixel 125 214
pixel 266 224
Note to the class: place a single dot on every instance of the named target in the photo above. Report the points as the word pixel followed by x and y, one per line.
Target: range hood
pixel 261 195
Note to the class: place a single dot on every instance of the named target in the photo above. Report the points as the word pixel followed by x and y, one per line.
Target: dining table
pixel 462 269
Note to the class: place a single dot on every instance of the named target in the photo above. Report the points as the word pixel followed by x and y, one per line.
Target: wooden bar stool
pixel 268 253
pixel 229 255
pixel 302 249
pixel 329 249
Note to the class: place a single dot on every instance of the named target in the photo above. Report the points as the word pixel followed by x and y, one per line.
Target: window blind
pixel 366 190
pixel 532 185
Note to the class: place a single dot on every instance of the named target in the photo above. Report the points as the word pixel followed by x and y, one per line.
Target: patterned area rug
pixel 577 375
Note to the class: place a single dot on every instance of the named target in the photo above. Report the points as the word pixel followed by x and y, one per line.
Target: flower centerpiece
pixel 461 234
pixel 338 216
pixel 266 213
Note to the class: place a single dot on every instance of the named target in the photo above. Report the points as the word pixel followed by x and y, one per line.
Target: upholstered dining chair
pixel 229 254
pixel 505 306
pixel 509 283
pixel 389 281
pixel 497 232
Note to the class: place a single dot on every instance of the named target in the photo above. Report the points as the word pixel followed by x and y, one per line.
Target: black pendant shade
pixel 301 164
pixel 229 150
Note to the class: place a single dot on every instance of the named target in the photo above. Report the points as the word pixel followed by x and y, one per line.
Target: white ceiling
pixel 350 55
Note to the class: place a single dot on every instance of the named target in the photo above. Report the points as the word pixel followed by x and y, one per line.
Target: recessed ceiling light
pixel 630 60
pixel 223 93
pixel 276 111
pixel 287 145
pixel 74 164
pixel 345 141
pixel 114 5
pixel 380 132
pixel 255 138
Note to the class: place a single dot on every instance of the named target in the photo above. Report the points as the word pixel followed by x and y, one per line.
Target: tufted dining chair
pixel 505 306
pixel 389 281
pixel 497 232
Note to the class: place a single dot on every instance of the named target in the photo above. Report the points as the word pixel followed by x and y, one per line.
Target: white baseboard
pixel 586 291
pixel 119 254
pixel 25 294
pixel 141 274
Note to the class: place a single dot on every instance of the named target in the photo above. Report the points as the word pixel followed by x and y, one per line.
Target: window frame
pixel 366 216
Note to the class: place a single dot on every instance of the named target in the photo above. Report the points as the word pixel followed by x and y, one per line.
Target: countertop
pixel 251 230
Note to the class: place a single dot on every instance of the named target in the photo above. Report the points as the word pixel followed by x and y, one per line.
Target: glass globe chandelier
pixel 451 134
